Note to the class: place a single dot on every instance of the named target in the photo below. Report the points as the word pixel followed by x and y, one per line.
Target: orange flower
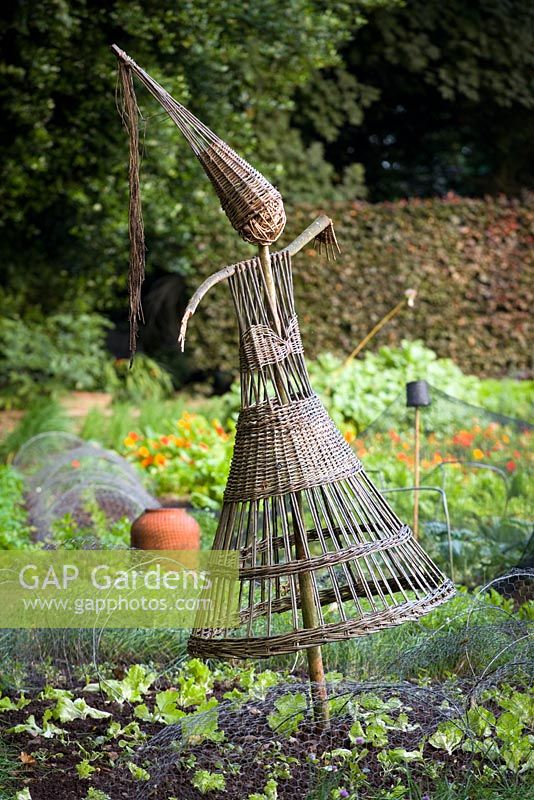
pixel 146 462
pixel 490 430
pixel 184 423
pixel 350 436
pixel 164 440
pixel 218 428
pixel 129 441
pixel 463 438
pixel 478 454
pixel 506 438
pixel 75 463
pixel 511 465
pixel 160 460
pixel 133 435
pixel 437 458
pixel 143 452
pixel 394 436
pixel 405 445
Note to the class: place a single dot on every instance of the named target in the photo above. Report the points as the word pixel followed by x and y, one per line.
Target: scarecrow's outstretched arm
pixel 203 289
pixel 304 238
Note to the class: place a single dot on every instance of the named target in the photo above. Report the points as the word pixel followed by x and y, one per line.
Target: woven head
pixel 253 206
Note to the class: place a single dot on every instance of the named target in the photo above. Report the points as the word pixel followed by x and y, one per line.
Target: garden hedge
pixel 471 261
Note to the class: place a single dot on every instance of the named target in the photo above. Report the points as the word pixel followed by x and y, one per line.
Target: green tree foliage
pixel 425 96
pixel 432 96
pixel 63 192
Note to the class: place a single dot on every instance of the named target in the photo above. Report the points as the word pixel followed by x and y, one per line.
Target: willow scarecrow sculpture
pixel 323 557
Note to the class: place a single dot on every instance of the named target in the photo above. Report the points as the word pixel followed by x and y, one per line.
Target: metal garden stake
pixel 417 396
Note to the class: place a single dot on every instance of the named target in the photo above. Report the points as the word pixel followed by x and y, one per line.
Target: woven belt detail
pixel 286 448
pixel 332 559
pixel 205 644
pixel 261 346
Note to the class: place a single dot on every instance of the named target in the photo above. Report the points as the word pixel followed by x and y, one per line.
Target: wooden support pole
pixel 307 599
pixel 309 617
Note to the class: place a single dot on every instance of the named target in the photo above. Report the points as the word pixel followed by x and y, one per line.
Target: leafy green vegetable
pixel 289 713
pixel 67 710
pixel 206 781
pixel 447 736
pixel 85 769
pixel 270 791
pixel 131 688
pixel 6 704
pixel 203 724
pixel 48 730
pixel 521 705
pixel 138 772
pixel 96 794
pixel 481 721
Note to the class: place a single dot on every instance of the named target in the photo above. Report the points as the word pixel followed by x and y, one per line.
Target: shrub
pixel 66 352
pixel 59 352
pixel 145 380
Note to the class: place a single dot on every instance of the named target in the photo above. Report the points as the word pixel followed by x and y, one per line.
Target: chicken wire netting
pixel 87 486
pixel 425 699
pixel 435 702
pixel 476 508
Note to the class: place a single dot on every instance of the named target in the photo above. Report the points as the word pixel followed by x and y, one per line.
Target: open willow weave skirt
pixel 298 502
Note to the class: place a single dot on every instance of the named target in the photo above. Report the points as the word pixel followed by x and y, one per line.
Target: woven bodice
pixel 285 440
pixel 272 365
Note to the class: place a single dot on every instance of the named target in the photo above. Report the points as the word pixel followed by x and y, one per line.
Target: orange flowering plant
pixel 485 472
pixel 192 459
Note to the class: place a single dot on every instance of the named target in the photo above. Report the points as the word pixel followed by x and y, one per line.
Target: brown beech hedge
pixel 471 261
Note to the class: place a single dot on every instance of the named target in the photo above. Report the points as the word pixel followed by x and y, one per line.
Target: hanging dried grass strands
pixel 129 112
pixel 253 206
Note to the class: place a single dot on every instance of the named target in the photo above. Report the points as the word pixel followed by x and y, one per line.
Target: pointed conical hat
pixel 252 204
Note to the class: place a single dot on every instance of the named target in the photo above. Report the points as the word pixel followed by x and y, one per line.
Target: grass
pixel 10 766
pixel 471 789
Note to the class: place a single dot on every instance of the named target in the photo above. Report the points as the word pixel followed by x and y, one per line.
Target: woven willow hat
pixel 299 506
pixel 253 206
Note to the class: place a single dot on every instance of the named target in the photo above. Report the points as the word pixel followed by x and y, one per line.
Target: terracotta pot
pixel 165 529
